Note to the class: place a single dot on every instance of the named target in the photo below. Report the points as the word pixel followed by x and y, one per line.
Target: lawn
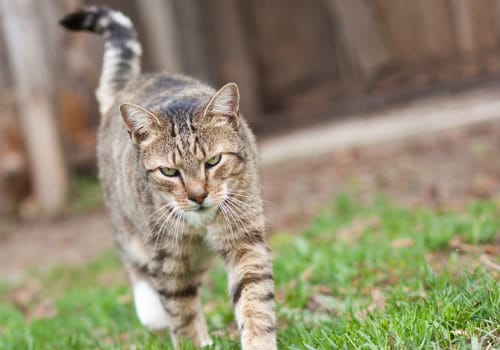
pixel 374 276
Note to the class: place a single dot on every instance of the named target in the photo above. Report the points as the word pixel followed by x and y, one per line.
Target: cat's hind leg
pixel 148 305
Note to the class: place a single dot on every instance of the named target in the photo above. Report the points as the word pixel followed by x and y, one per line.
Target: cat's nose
pixel 197 197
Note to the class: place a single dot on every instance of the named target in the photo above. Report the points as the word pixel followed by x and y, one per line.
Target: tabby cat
pixel 178 166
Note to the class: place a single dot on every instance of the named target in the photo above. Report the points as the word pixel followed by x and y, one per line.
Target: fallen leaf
pixel 323 303
pixel 306 274
pixel 325 290
pixel 490 264
pixel 402 243
pixel 458 244
pixel 45 309
pixel 357 228
pixel 492 249
pixel 24 296
pixel 379 300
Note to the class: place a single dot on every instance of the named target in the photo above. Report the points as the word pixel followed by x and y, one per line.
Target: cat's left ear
pixel 224 106
pixel 140 122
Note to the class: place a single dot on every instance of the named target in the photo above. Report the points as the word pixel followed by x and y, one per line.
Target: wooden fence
pixel 297 62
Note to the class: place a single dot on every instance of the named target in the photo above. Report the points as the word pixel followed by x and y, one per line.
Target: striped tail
pixel 122 51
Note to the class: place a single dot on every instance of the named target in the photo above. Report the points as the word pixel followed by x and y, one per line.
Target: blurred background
pixel 299 64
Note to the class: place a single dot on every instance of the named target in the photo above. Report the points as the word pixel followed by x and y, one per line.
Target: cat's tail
pixel 122 51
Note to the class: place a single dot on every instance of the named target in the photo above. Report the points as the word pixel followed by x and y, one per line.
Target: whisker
pixel 244 195
pixel 176 228
pixel 169 212
pixel 245 205
pixel 237 220
pixel 226 220
pixel 160 231
pixel 231 218
pixel 154 212
pixel 245 209
pixel 246 215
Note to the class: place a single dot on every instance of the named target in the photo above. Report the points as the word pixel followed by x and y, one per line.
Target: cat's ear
pixel 224 106
pixel 140 122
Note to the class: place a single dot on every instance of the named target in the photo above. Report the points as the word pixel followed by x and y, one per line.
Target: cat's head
pixel 192 150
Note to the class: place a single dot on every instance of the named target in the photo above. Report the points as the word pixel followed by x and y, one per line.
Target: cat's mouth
pixel 201 208
pixel 201 215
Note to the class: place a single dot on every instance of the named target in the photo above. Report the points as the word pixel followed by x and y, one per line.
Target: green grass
pixel 359 277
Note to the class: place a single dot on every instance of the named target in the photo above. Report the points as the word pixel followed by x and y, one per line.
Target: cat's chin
pixel 200 217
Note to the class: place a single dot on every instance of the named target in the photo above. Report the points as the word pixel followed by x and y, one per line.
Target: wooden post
pixel 33 89
pixel 495 18
pixel 160 29
pixel 196 61
pixel 361 34
pixel 435 28
pixel 231 51
pixel 472 25
pixel 402 27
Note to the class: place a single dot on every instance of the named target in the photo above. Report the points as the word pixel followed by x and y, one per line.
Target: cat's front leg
pixel 251 286
pixel 177 282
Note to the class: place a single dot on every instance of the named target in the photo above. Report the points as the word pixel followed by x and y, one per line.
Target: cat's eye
pixel 213 161
pixel 170 172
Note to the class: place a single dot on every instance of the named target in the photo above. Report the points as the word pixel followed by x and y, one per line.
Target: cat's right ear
pixel 140 122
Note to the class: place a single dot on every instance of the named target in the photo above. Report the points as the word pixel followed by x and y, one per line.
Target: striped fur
pixel 179 170
pixel 122 51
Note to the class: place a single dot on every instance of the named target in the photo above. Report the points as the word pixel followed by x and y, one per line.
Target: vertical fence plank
pixel 361 33
pixel 232 54
pixel 435 26
pixel 33 89
pixel 473 27
pixel 194 45
pixel 399 18
pixel 161 34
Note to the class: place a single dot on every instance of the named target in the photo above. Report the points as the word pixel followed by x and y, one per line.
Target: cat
pixel 178 166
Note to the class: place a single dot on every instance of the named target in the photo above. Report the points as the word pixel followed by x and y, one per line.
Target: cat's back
pixel 158 89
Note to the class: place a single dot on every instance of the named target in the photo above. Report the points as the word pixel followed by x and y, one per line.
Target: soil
pixel 441 170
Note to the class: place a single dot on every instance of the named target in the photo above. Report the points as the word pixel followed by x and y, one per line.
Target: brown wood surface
pixel 33 89
pixel 160 35
pixel 474 27
pixel 361 34
pixel 294 48
pixel 230 52
pixel 401 24
pixel 436 28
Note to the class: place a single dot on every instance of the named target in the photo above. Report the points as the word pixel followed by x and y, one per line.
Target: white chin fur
pixel 148 307
pixel 200 218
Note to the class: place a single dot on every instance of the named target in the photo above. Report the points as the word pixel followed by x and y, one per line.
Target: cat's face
pixel 195 163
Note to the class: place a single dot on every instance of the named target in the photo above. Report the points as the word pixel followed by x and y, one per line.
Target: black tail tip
pixel 86 18
pixel 75 20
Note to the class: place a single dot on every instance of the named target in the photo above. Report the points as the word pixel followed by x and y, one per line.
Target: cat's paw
pixel 207 342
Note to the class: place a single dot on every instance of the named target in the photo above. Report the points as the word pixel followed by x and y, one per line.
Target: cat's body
pixel 179 172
